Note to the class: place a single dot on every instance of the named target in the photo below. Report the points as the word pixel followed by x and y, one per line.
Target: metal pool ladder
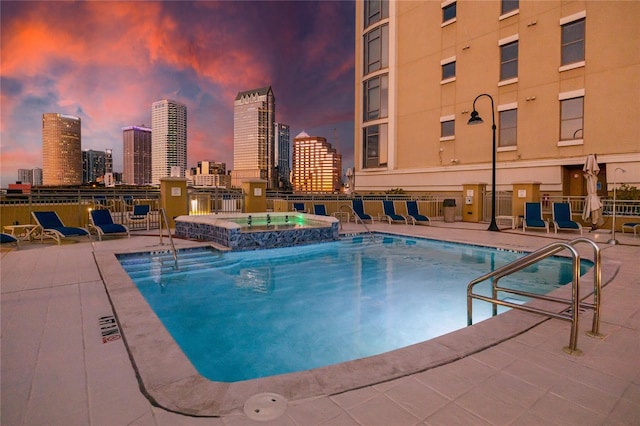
pixel 163 217
pixel 355 215
pixel 575 303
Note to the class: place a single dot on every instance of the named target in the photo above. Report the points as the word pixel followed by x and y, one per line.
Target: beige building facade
pixel 560 79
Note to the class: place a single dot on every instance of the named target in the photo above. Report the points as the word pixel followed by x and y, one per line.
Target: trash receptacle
pixel 449 207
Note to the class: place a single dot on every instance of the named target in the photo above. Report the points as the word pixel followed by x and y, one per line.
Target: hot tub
pixel 244 231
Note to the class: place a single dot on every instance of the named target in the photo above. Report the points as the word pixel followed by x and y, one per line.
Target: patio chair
pixel 358 208
pixel 128 200
pixel 562 218
pixel 99 201
pixel 412 211
pixel 52 227
pixel 320 210
pixel 533 217
pixel 391 215
pixel 102 222
pixel 631 226
pixel 140 214
pixel 9 239
pixel 299 207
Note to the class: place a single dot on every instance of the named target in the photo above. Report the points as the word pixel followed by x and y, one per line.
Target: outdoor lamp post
pixel 475 119
pixel 613 227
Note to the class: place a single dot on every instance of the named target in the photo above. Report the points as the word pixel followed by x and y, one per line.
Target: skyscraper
pixel 108 160
pixel 61 149
pixel 253 136
pixel 317 167
pixel 168 138
pixel 136 151
pixel 93 165
pixel 282 154
pixel 25 175
pixel 37 177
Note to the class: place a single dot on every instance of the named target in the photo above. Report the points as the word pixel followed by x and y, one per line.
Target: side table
pixel 22 232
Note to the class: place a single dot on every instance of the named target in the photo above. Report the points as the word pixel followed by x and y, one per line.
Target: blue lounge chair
pixel 412 211
pixel 52 227
pixel 391 215
pixel 299 207
pixel 562 218
pixel 99 201
pixel 533 217
pixel 102 222
pixel 140 214
pixel 631 226
pixel 9 239
pixel 320 210
pixel 358 208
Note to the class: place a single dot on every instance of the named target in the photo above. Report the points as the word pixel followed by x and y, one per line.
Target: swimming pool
pixel 240 315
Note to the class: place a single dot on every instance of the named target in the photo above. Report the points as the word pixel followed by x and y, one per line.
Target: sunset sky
pixel 107 62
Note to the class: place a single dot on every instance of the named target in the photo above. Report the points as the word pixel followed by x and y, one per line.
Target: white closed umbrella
pixel 593 205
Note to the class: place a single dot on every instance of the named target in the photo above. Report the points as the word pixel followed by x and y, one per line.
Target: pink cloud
pixel 108 61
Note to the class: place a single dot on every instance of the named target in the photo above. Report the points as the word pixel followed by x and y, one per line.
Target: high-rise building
pixel 283 155
pixel 563 79
pixel 253 137
pixel 93 165
pixel 61 149
pixel 168 138
pixel 108 160
pixel 316 166
pixel 210 173
pixel 136 144
pixel 25 176
pixel 37 176
pixel 32 176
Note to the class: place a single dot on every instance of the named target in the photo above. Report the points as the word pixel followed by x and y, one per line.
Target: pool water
pixel 244 315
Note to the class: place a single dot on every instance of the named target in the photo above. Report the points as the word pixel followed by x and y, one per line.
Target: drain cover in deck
pixel 265 406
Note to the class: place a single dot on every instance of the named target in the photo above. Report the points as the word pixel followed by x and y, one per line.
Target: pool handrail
pixel 355 215
pixel 163 217
pixel 575 302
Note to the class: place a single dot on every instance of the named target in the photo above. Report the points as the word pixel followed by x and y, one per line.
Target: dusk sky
pixel 107 62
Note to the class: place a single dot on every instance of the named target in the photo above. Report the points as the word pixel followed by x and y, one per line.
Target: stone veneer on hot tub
pixel 223 229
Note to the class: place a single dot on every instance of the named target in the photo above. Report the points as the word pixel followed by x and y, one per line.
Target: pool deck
pixel 60 365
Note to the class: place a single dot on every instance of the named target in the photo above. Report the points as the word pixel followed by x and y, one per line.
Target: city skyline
pixel 108 62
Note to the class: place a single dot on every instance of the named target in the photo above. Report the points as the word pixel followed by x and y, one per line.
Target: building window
pixel 507 6
pixel 376 94
pixel 447 128
pixel 573 42
pixel 376 49
pixel 448 11
pixel 375 146
pixel 509 61
pixel 448 70
pixel 375 11
pixel 508 128
pixel 571 118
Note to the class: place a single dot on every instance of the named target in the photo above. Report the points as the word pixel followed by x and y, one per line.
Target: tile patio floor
pixel 56 370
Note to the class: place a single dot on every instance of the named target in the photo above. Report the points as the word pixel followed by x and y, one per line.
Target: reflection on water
pixel 242 315
pixel 255 279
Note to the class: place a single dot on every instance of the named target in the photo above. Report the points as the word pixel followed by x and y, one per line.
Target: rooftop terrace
pixel 58 366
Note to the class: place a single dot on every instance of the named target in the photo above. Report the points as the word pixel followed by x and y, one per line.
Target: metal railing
pixel 163 218
pixel 503 204
pixel 356 218
pixel 575 303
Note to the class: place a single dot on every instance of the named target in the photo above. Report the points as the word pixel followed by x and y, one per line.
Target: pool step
pixel 138 267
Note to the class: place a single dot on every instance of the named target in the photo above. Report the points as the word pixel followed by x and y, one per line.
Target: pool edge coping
pixel 168 379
